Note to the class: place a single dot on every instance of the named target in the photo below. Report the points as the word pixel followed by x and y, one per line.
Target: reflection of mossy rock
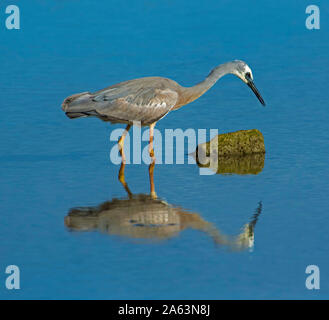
pixel 248 164
pixel 235 143
pixel 240 152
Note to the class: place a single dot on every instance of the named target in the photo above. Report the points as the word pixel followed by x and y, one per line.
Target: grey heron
pixel 147 100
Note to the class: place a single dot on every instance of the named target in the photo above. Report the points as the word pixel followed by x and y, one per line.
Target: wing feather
pixel 127 104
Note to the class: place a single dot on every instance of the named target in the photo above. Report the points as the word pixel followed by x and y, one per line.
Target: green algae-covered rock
pixel 240 152
pixel 237 143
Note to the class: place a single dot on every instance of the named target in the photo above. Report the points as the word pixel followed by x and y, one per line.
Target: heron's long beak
pixel 252 86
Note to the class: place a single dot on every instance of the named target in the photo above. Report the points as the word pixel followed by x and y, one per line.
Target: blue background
pixel 49 164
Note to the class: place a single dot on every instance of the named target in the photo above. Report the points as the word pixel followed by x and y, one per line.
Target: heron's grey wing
pixel 126 104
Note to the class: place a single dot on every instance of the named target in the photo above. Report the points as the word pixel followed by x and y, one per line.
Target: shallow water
pixel 50 164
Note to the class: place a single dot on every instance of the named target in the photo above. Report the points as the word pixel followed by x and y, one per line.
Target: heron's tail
pixel 79 105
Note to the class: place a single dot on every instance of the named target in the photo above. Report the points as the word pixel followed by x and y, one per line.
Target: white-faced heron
pixel 147 100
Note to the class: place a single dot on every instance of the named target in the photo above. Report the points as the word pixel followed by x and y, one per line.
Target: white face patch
pixel 241 70
pixel 246 70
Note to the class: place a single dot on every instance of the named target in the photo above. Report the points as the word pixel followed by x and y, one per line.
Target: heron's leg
pixel 123 158
pixel 121 143
pixel 151 150
pixel 122 179
pixel 151 167
pixel 151 170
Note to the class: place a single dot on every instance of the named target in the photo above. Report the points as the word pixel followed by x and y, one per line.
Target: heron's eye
pixel 248 75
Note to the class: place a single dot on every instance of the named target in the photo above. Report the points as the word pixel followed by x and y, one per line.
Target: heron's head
pixel 243 71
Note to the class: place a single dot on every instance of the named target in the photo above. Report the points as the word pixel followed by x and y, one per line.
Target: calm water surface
pixel 50 164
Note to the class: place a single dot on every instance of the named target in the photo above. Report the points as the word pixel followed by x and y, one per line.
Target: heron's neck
pixel 190 94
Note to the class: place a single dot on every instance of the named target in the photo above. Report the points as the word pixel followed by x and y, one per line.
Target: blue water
pixel 50 164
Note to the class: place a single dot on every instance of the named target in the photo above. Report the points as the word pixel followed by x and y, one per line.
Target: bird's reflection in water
pixel 145 216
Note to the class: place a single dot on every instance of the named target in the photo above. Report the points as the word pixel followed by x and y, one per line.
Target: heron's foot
pixel 153 195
